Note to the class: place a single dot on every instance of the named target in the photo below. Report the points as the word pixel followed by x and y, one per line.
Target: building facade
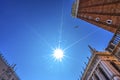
pixel 7 71
pixel 102 66
pixel 114 45
pixel 102 13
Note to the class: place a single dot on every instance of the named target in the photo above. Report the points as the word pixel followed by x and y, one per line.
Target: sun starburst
pixel 58 54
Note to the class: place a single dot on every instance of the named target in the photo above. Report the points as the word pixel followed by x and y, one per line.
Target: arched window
pixel 103 73
pixel 96 77
pixel 97 19
pixel 89 17
pixel 109 21
pixel 116 66
pixel 81 15
pixel 85 16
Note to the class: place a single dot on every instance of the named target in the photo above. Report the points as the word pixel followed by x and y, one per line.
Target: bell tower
pixel 102 13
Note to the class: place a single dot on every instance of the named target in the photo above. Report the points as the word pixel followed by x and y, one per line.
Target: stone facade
pixel 114 45
pixel 102 66
pixel 6 71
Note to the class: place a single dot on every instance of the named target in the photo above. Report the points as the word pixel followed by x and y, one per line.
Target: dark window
pixel 3 70
pixel 96 77
pixel 116 66
pixel 118 54
pixel 105 75
pixel 112 46
pixel 109 21
pixel 97 19
pixel 109 50
pixel 3 79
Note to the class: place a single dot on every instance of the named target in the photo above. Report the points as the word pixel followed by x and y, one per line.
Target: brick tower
pixel 102 13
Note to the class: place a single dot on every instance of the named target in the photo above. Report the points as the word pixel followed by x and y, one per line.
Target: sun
pixel 58 54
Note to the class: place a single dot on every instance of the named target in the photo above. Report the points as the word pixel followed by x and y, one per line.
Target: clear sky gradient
pixel 30 29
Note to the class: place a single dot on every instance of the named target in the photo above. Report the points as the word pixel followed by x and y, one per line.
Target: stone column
pixel 106 69
pixel 100 74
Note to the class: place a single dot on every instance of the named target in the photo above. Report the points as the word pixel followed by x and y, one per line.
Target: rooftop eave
pixel 93 57
pixel 75 7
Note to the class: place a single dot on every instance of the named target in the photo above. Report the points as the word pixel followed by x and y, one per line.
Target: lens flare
pixel 58 54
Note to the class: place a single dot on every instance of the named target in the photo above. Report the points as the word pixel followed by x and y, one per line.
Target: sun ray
pixel 61 28
pixel 71 45
pixel 34 31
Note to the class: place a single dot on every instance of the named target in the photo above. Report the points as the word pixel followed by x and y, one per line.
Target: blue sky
pixel 29 29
